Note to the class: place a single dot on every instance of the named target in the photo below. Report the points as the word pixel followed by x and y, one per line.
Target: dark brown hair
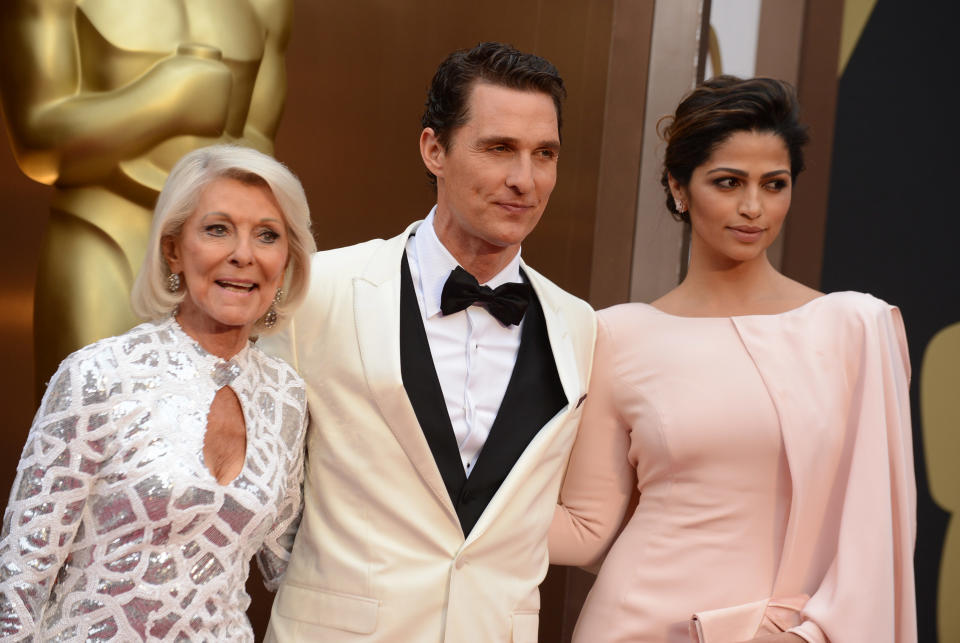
pixel 489 62
pixel 718 108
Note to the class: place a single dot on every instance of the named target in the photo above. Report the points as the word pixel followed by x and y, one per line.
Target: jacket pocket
pixel 526 626
pixel 348 612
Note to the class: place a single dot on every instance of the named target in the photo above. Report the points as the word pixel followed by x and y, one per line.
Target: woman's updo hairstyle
pixel 718 108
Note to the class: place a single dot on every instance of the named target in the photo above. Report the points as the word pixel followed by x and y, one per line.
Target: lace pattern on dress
pixel 115 529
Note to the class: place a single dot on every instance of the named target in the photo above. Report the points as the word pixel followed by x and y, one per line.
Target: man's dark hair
pixel 488 62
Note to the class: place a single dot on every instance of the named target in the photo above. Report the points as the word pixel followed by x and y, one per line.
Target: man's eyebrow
pixel 552 143
pixel 736 172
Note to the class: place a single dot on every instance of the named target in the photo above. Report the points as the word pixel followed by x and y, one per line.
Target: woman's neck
pixel 727 283
pixel 222 341
pixel 719 286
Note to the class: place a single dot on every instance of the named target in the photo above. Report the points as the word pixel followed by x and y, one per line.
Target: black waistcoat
pixel 533 396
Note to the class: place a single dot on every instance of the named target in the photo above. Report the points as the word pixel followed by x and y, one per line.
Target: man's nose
pixel 520 176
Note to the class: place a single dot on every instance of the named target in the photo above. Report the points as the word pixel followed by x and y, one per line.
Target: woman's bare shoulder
pixel 675 302
pixel 794 294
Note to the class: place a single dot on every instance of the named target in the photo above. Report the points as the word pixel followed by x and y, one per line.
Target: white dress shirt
pixel 472 352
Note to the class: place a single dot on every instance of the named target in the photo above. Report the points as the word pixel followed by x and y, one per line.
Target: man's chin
pixel 503 245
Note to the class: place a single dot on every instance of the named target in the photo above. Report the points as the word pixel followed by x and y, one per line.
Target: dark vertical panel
pixel 779 45
pixel 817 89
pixel 23 211
pixel 574 35
pixel 622 141
pixel 892 229
pixel 780 39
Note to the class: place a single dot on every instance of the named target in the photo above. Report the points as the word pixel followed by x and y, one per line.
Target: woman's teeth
pixel 236 287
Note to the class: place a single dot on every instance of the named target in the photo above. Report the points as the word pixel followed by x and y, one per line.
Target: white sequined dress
pixel 115 529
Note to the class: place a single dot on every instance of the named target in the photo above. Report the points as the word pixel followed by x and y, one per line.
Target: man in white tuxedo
pixel 442 410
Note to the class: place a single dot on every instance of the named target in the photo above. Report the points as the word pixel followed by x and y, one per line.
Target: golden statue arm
pixel 940 412
pixel 270 87
pixel 56 127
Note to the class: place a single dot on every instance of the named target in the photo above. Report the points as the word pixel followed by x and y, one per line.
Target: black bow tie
pixel 507 302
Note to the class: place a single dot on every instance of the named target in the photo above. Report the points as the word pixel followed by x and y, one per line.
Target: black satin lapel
pixel 533 396
pixel 423 387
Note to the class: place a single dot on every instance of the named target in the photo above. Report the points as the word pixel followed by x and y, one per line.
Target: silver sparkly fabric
pixel 115 529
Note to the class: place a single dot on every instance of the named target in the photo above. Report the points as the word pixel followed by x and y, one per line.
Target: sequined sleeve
pixel 69 441
pixel 278 543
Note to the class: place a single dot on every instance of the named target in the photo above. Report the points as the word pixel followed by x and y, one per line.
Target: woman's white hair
pixel 150 297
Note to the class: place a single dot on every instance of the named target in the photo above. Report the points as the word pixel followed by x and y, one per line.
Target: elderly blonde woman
pixel 162 460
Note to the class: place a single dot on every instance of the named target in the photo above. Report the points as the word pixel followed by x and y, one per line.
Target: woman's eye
pixel 727 182
pixel 216 229
pixel 268 236
pixel 776 186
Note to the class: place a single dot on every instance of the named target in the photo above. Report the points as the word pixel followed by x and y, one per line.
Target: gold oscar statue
pixel 940 414
pixel 101 97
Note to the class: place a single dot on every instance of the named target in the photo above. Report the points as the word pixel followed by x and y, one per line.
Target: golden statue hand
pixel 198 90
pixel 81 140
pixel 70 137
pixel 100 98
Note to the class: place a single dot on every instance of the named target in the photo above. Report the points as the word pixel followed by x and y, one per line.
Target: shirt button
pixel 460 563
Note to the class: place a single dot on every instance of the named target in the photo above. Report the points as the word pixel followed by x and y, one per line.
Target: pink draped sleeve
pixel 868 591
pixel 847 433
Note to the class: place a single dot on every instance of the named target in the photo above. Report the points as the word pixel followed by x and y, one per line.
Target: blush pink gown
pixel 773 458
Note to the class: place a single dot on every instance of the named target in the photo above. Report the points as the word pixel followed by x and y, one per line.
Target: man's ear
pixel 171 252
pixel 432 152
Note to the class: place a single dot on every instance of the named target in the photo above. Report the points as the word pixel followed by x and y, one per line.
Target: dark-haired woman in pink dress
pixel 765 425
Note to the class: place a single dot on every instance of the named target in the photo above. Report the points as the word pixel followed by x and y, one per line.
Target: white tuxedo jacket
pixel 380 554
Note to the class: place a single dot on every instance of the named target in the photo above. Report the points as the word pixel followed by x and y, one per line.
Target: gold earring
pixel 270 319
